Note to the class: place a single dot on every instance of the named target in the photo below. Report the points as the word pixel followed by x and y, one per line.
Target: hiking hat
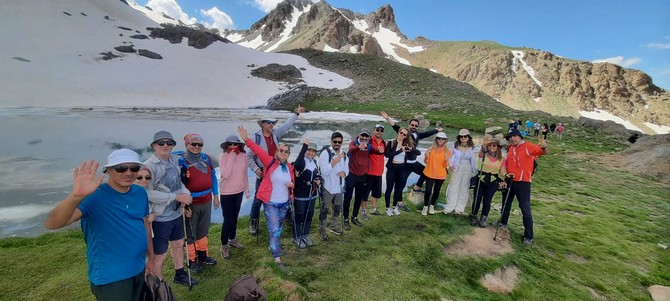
pixel 231 139
pixel 513 133
pixel 377 126
pixel 272 120
pixel 493 141
pixel 464 132
pixel 365 131
pixel 162 135
pixel 441 135
pixel 312 146
pixel 191 138
pixel 123 155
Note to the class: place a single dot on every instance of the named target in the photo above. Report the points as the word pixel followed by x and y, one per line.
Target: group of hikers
pixel 165 202
pixel 538 129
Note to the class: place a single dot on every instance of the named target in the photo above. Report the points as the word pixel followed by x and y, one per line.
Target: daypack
pixel 330 154
pixel 155 289
pixel 245 288
pixel 184 166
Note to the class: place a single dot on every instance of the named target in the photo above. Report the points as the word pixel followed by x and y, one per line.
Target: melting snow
pixel 353 49
pixel 288 26
pixel 433 70
pixel 519 55
pixel 537 99
pixel 387 39
pixel 327 48
pixel 255 43
pixel 234 37
pixel 659 129
pixel 604 115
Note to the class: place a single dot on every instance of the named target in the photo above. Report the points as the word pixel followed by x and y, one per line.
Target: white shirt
pixel 331 181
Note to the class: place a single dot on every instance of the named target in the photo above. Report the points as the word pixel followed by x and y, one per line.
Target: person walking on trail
pixel 559 130
pixel 493 167
pixel 334 166
pixel 167 197
pixel 529 125
pixel 398 151
pixel 463 162
pixel 113 216
pixel 199 177
pixel 437 161
pixel 412 164
pixel 359 165
pixel 234 181
pixel 268 139
pixel 536 128
pixel 275 190
pixel 375 172
pixel 307 181
pixel 520 167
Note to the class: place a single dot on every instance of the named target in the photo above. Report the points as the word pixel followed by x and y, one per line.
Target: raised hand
pixel 244 134
pixel 299 109
pixel 85 181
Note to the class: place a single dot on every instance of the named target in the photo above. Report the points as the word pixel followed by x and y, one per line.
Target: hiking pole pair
pixel 475 202
pixel 304 221
pixel 187 262
pixel 504 205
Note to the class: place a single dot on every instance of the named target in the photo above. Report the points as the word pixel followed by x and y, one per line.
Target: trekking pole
pixel 188 263
pixel 475 202
pixel 504 204
pixel 302 226
pixel 342 208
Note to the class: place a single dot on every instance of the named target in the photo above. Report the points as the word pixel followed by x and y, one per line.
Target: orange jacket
pixel 520 160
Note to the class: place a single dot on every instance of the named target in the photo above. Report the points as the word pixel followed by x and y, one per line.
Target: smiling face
pixel 163 148
pixel 123 175
pixel 379 132
pixel 283 152
pixel 441 141
pixel 336 143
pixel 515 140
pixel 195 147
pixel 413 126
pixel 310 153
pixel 143 178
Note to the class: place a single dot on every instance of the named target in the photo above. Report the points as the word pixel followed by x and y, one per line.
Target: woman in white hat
pixel 437 161
pixel 463 163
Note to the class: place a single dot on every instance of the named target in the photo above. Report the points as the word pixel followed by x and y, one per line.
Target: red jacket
pixel 269 165
pixel 520 160
pixel 376 157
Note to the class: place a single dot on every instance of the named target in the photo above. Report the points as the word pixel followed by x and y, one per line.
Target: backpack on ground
pixel 245 288
pixel 156 290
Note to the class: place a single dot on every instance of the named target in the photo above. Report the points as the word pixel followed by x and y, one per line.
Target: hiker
pixel 536 128
pixel 491 170
pixel 199 177
pixel 559 130
pixel 398 151
pixel 233 163
pixel 552 128
pixel 113 216
pixel 359 165
pixel 437 161
pixel 334 166
pixel 544 129
pixel 375 172
pixel 143 178
pixel 268 139
pixel 307 180
pixel 520 166
pixel 529 125
pixel 412 164
pixel 167 197
pixel 464 165
pixel 275 190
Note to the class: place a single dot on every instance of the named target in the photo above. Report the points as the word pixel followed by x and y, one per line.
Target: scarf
pixel 284 167
pixel 197 161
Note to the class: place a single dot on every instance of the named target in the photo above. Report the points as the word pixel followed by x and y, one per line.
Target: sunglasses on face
pixel 379 130
pixel 365 136
pixel 337 141
pixel 441 138
pixel 402 133
pixel 124 168
pixel 269 122
pixel 462 136
pixel 233 144
pixel 284 151
pixel 168 142
pixel 414 125
pixel 197 144
pixel 139 178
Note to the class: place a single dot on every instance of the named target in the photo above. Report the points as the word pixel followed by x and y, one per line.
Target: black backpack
pixel 245 288
pixel 156 290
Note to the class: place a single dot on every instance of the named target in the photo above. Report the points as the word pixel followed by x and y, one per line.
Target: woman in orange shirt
pixel 437 161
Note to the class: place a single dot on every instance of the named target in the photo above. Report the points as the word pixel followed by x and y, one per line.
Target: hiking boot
pixel 323 234
pixel 424 211
pixel 347 226
pixel 203 258
pixel 431 209
pixel 365 217
pixel 283 268
pixel 374 211
pixel 235 244
pixel 356 222
pixel 403 207
pixel 527 241
pixel 253 226
pixel 482 222
pixel 307 240
pixel 389 212
pixel 225 251
pixel 335 230
pixel 473 220
pixel 195 267
pixel 300 243
pixel 182 278
pixel 396 211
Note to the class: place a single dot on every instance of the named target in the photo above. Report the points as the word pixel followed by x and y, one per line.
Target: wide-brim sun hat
pixel 513 133
pixel 493 141
pixel 260 121
pixel 464 132
pixel 231 139
pixel 121 156
pixel 442 135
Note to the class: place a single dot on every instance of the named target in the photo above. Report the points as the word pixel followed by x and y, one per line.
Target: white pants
pixel 458 191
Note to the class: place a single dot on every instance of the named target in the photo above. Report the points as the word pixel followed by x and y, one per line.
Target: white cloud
pixel 658 45
pixel 267 5
pixel 172 9
pixel 221 20
pixel 619 60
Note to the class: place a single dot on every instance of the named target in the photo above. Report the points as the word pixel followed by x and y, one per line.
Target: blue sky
pixel 633 34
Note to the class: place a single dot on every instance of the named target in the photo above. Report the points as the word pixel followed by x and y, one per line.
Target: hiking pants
pixel 275 214
pixel 327 200
pixel 304 212
pixel 520 190
pixel 230 208
pixel 458 191
pixel 201 217
pixel 484 197
pixel 396 179
pixel 433 187
pixel 126 289
pixel 360 184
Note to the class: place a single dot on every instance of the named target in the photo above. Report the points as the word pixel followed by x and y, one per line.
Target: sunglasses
pixel 414 125
pixel 402 133
pixel 365 136
pixel 195 144
pixel 124 168
pixel 139 178
pixel 462 136
pixel 269 121
pixel 441 138
pixel 168 142
pixel 337 141
pixel 284 151
pixel 379 130
pixel 233 144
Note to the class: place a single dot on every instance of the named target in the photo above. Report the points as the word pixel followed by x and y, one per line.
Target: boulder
pixel 659 292
pixel 150 54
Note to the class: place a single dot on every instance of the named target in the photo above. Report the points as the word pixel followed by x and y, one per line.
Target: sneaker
pixel 335 231
pixel 235 244
pixel 300 243
pixel 365 217
pixel 389 212
pixel 182 278
pixel 482 222
pixel 424 211
pixel 323 234
pixel 431 209
pixel 473 220
pixel 417 189
pixel 445 211
pixel 403 207
pixel 307 240
pixel 356 222
pixel 253 226
pixel 225 251
pixel 283 268
pixel 208 260
pixel 347 226
pixel 195 267
pixel 374 211
pixel 527 241
pixel 396 211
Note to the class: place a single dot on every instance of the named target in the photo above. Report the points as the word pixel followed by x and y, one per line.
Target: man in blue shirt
pixel 113 218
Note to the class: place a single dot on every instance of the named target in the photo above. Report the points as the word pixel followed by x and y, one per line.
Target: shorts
pixel 165 232
pixel 375 186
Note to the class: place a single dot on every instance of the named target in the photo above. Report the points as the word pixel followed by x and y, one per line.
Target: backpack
pixel 155 289
pixel 184 166
pixel 330 155
pixel 245 288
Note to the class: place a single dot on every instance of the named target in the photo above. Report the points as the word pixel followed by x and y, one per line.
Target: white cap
pixel 122 156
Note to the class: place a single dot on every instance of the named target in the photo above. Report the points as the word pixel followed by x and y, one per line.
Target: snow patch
pixel 604 115
pixel 234 37
pixel 327 48
pixel 537 99
pixel 659 129
pixel 433 70
pixel 519 55
pixel 256 42
pixel 353 49
pixel 288 26
pixel 387 39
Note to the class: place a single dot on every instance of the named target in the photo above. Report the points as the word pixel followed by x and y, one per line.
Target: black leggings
pixel 304 212
pixel 485 192
pixel 230 208
pixel 396 178
pixel 433 187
